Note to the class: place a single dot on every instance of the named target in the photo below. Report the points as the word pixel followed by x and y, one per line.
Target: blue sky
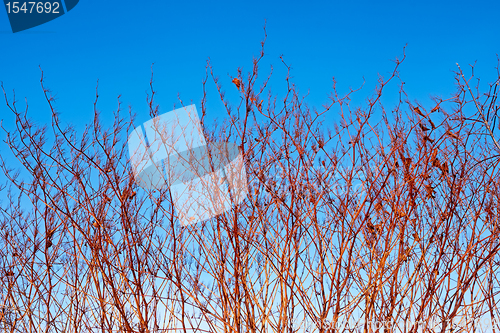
pixel 117 41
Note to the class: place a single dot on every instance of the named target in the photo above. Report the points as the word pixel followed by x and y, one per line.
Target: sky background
pixel 116 42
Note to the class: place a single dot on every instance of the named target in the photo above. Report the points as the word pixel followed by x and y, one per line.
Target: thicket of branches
pixel 388 214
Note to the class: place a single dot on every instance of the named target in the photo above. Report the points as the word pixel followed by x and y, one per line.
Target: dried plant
pixel 385 217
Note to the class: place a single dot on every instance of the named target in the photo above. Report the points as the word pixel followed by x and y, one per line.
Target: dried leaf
pixel 430 191
pixel 237 82
pixel 423 127
pixel 426 138
pixel 432 124
pixel 417 110
pixel 434 109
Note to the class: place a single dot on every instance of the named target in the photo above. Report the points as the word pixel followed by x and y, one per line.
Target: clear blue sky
pixel 117 41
